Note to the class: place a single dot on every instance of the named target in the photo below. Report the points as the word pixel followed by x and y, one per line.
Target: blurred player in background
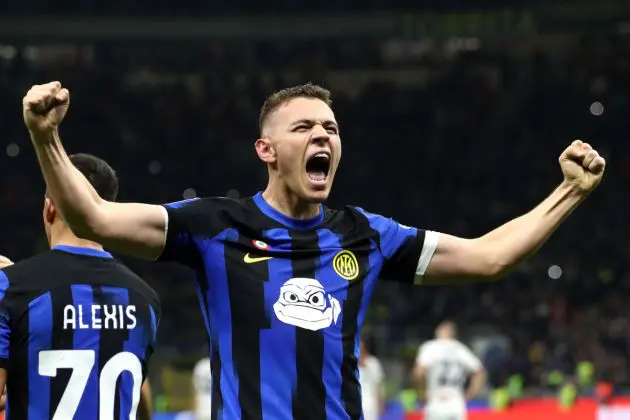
pixel 283 281
pixel 202 383
pixel 202 388
pixel 371 378
pixel 77 328
pixel 444 365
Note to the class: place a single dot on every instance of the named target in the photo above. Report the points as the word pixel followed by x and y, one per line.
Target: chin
pixel 317 196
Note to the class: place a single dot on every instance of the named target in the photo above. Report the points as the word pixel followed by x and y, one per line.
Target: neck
pixel 288 203
pixel 69 239
pixel 362 357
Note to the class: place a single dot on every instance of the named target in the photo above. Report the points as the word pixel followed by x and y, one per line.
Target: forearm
pixel 476 384
pixel 76 198
pixel 518 239
pixel 381 401
pixel 146 403
pixel 418 376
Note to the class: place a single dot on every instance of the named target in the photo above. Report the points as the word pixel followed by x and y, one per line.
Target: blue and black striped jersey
pixel 77 329
pixel 284 300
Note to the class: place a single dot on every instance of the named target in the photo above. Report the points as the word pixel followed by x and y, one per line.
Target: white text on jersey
pixel 114 317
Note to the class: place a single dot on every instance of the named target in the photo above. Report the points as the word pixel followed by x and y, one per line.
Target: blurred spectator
pixel 371 377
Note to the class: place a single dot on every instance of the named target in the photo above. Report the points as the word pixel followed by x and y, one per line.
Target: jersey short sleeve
pixel 179 240
pixel 468 359
pixel 377 369
pixel 202 375
pixel 189 223
pixel 425 356
pixel 407 250
pixel 5 329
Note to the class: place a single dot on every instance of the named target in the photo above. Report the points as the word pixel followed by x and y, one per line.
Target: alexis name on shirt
pixel 114 317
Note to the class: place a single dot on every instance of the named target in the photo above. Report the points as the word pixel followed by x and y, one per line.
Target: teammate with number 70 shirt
pixel 77 328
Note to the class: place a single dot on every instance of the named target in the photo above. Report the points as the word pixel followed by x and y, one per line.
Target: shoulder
pixel 29 275
pixel 373 363
pixel 387 229
pixel 200 214
pixel 428 345
pixel 204 206
pixel 460 345
pixel 428 349
pixel 463 349
pixel 36 265
pixel 375 220
pixel 352 219
pixel 351 214
pixel 202 367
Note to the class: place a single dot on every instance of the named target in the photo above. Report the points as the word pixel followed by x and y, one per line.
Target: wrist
pixel 573 190
pixel 45 137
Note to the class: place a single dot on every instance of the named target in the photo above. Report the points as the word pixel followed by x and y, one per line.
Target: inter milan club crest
pixel 346 265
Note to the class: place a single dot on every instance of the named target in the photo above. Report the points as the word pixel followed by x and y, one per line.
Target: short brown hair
pixel 280 97
pixel 98 172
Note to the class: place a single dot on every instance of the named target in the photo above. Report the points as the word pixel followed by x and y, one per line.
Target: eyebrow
pixel 311 122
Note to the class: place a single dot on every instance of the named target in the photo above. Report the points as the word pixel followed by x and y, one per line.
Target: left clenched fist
pixel 582 166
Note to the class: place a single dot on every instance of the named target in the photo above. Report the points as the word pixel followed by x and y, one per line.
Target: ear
pixel 5 262
pixel 265 150
pixel 50 212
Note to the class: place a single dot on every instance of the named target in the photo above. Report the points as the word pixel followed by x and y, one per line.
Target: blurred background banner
pixel 526 19
pixel 453 116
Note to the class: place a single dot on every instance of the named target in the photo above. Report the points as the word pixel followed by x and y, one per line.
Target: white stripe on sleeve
pixel 429 246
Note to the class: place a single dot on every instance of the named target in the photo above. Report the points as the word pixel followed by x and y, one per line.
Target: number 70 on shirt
pixel 82 362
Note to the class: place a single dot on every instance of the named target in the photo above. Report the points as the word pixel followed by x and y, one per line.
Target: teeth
pixel 322 155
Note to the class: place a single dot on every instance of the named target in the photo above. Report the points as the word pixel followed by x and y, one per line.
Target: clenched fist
pixel 44 107
pixel 582 166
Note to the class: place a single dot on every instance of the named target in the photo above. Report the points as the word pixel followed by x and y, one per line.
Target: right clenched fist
pixel 44 107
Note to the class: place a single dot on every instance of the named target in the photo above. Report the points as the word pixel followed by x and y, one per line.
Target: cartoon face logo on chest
pixel 303 303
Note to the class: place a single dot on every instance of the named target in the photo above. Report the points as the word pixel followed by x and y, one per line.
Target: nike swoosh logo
pixel 251 260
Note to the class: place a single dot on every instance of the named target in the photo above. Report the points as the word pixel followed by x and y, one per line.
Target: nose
pixel 319 135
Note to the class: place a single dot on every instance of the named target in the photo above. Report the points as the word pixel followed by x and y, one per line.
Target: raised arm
pixel 427 257
pixel 130 228
pixel 496 253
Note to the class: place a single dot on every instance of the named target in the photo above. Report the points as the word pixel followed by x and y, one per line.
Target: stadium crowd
pixel 457 143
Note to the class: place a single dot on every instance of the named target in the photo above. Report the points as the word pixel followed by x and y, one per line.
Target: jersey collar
pixel 83 251
pixel 286 220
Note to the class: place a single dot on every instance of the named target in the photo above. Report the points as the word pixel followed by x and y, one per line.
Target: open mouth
pixel 317 168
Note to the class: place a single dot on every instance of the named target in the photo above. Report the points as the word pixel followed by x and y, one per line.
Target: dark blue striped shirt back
pixel 77 330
